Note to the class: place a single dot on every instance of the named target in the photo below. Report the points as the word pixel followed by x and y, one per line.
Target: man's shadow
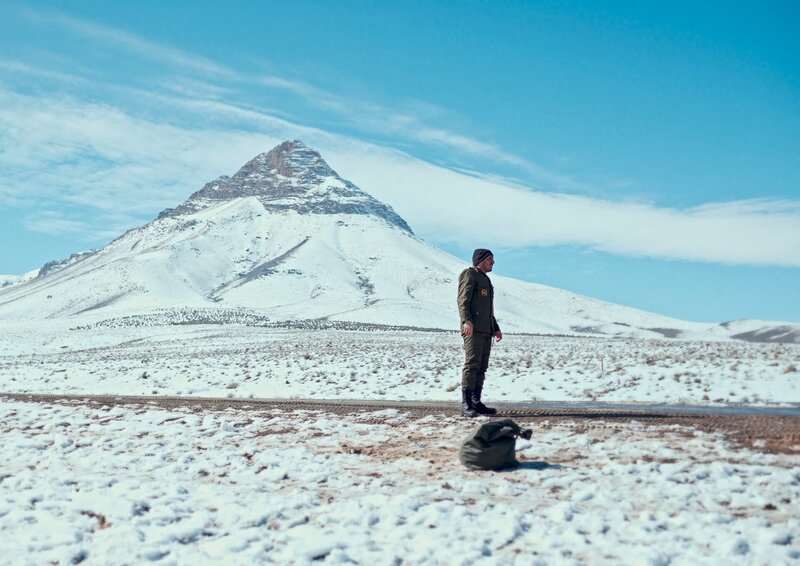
pixel 532 465
pixel 535 465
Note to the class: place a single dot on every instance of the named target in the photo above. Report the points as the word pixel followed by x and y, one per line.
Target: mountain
pixel 9 280
pixel 287 239
pixel 291 177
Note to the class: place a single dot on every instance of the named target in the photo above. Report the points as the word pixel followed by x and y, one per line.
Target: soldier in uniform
pixel 478 327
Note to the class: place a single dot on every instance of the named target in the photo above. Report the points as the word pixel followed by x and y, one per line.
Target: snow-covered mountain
pixel 9 280
pixel 287 239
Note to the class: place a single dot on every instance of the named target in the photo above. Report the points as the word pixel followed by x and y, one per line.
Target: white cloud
pixel 122 168
pixel 100 158
pixel 376 118
pixel 449 206
pixel 411 124
pixel 97 157
pixel 17 67
pixel 369 116
pixel 133 43
pixel 54 224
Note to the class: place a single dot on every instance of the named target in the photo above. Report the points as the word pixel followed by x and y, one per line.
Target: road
pixel 767 429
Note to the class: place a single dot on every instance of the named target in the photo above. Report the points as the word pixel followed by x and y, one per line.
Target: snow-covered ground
pixel 133 485
pixel 245 361
pixel 129 485
pixel 287 239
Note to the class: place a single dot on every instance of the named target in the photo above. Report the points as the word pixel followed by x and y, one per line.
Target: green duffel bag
pixel 492 445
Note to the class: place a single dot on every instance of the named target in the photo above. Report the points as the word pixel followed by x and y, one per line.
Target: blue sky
pixel 646 154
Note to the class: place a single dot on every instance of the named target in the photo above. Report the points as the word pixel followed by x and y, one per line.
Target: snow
pixel 242 292
pixel 109 485
pixel 221 360
pixel 312 246
pixel 122 485
pixel 9 280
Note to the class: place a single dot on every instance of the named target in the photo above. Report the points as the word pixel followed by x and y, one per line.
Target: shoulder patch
pixel 484 292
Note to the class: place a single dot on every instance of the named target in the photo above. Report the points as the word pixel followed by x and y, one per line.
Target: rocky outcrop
pixel 294 177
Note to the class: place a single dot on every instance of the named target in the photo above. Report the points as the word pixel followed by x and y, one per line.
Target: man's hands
pixel 468 330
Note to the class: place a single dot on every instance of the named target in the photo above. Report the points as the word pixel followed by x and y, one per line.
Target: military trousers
pixel 476 359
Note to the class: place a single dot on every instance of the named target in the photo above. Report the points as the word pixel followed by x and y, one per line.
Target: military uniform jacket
pixel 476 300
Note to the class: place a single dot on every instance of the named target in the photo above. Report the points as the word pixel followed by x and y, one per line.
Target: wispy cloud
pixel 378 118
pixel 54 224
pixel 447 206
pixel 92 31
pixel 122 166
pixel 17 67
pixel 412 124
pixel 101 158
pixel 402 123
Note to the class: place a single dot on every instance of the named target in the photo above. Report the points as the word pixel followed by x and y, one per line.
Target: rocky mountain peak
pixel 290 176
pixel 291 160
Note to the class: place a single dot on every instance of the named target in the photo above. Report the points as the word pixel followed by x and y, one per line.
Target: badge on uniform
pixel 484 293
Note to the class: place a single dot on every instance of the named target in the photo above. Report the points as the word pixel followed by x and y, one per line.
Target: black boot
pixel 467 410
pixel 479 407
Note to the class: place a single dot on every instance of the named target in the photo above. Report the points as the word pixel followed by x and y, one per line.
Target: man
pixel 478 326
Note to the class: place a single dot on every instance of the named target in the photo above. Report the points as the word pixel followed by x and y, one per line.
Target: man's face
pixel 486 264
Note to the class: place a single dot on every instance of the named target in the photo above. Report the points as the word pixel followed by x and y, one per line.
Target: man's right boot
pixel 478 405
pixel 467 410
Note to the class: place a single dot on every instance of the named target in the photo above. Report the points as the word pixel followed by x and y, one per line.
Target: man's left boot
pixel 479 407
pixel 467 410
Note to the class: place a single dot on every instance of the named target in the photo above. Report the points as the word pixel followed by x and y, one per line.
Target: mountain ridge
pixel 287 238
pixel 295 176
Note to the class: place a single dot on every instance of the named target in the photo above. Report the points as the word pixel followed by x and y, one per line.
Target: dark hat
pixel 479 255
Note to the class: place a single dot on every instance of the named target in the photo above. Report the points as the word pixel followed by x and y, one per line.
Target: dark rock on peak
pixel 291 176
pixel 291 159
pixel 208 188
